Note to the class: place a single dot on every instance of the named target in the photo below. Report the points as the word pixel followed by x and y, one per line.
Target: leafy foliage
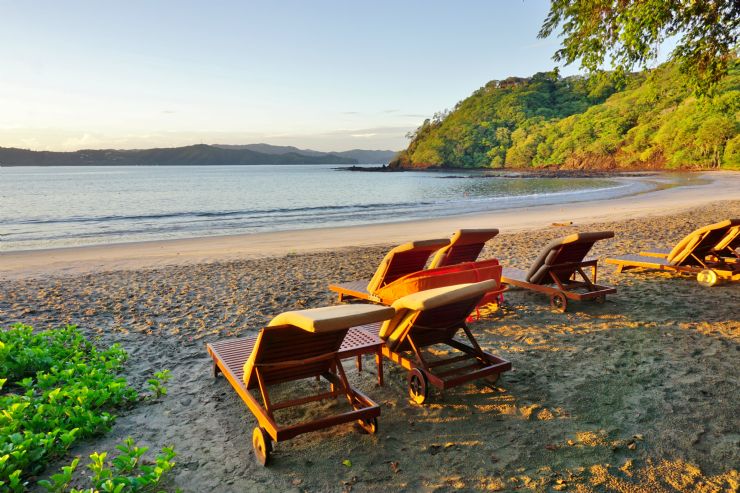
pixel 628 33
pixel 58 388
pixel 126 473
pixel 157 383
pixel 656 121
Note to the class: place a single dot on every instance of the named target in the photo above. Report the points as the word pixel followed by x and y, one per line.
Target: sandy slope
pixel 637 394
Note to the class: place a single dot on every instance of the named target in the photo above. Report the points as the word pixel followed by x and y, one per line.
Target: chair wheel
pixel 418 388
pixel 559 302
pixel 492 379
pixel 262 445
pixel 601 299
pixel 370 426
pixel 707 278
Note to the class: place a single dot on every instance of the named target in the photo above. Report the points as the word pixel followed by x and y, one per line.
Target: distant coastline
pixel 194 155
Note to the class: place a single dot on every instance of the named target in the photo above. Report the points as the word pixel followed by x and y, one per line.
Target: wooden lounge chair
pixel 726 231
pixel 559 271
pixel 295 346
pixel 401 260
pixel 434 317
pixel 694 254
pixel 465 246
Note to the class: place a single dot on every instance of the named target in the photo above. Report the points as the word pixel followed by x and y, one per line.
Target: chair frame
pixel 708 273
pixel 365 411
pixel 422 372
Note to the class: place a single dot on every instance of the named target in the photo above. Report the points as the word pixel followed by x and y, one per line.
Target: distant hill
pixel 362 156
pixel 575 122
pixel 200 155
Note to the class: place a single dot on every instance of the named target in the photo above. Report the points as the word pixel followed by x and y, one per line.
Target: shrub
pixel 126 473
pixel 57 388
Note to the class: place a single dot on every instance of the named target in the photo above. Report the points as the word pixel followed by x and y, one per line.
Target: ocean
pixel 71 206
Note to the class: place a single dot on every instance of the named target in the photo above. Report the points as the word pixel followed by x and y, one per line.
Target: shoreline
pixel 722 185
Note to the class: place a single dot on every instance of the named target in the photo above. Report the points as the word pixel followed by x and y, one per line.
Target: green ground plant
pixel 129 472
pixel 157 383
pixel 57 388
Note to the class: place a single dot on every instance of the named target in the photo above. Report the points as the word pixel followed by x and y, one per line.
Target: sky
pixel 320 74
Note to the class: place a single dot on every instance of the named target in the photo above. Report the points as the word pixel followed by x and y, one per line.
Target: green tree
pixel 627 33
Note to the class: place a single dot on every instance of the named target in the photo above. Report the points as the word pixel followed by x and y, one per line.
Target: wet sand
pixel 636 394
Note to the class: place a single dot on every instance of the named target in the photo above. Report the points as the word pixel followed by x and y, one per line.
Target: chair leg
pixel 379 363
pixel 359 362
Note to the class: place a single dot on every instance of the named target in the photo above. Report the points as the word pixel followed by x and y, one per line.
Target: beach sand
pixel 637 394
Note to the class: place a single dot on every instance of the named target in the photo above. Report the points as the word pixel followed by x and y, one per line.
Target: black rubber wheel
pixel 262 445
pixel 370 426
pixel 707 278
pixel 559 302
pixel 418 388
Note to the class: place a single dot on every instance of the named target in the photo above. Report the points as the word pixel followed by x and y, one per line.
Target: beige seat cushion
pixel 469 236
pixel 432 298
pixel 729 238
pixel 330 318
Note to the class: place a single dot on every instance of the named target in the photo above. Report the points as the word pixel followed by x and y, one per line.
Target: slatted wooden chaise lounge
pixel 694 254
pixel 465 246
pixel 398 262
pixel 295 346
pixel 434 317
pixel 559 271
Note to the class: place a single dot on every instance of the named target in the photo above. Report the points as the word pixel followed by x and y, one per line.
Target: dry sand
pixel 637 394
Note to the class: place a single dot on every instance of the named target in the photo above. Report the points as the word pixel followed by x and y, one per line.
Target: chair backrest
pixel 570 251
pixel 404 259
pixel 432 316
pixel 731 241
pixel 700 243
pixel 468 272
pixel 465 246
pixel 300 339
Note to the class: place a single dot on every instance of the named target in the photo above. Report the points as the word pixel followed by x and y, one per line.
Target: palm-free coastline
pixel 706 187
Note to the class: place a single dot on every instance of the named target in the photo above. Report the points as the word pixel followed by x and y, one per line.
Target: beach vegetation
pixel 57 388
pixel 128 472
pixel 157 383
pixel 654 121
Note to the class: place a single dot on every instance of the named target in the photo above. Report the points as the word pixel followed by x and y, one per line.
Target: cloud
pixel 85 140
pixel 363 136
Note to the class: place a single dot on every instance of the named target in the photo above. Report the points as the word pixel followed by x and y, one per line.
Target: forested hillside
pixel 574 122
